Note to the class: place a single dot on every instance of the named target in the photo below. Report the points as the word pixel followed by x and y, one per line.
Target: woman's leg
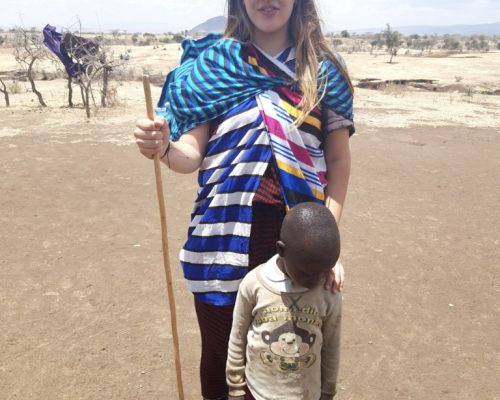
pixel 265 232
pixel 215 327
pixel 248 395
pixel 215 321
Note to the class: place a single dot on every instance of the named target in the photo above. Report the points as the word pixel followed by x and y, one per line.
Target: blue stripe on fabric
pixel 243 106
pixel 249 155
pixel 233 213
pixel 200 78
pixel 243 183
pixel 297 184
pixel 223 79
pixel 250 152
pixel 311 177
pixel 234 244
pixel 202 272
pixel 283 114
pixel 217 298
pixel 283 148
pixel 230 140
pixel 282 57
pixel 285 155
pixel 314 152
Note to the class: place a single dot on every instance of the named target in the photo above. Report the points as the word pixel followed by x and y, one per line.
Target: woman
pixel 265 114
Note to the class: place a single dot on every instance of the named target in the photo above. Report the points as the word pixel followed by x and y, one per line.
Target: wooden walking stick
pixel 164 239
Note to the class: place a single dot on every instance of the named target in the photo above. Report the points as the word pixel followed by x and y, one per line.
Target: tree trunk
pixel 87 101
pixel 5 92
pixel 81 92
pixel 70 93
pixel 104 93
pixel 392 55
pixel 91 91
pixel 32 82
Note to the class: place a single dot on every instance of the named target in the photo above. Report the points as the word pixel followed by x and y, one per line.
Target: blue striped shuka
pixel 254 100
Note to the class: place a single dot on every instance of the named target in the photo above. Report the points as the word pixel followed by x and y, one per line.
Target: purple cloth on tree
pixel 70 49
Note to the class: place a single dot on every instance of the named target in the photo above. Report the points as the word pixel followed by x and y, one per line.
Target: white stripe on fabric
pixel 311 140
pixel 214 257
pixel 217 174
pixel 249 168
pixel 217 159
pixel 314 152
pixel 228 199
pixel 222 228
pixel 213 286
pixel 224 200
pixel 237 121
pixel 214 191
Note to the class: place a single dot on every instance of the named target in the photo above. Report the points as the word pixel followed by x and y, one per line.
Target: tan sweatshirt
pixel 285 339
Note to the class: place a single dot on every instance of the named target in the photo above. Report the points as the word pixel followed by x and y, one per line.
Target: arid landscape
pixel 83 305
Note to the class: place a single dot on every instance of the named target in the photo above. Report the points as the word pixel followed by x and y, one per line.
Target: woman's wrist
pixel 166 152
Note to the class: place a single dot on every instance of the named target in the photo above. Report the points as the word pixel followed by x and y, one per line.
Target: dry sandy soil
pixel 83 307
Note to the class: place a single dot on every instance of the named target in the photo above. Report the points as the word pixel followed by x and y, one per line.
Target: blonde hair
pixel 311 47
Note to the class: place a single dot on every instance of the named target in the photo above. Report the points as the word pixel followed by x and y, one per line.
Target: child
pixel 285 337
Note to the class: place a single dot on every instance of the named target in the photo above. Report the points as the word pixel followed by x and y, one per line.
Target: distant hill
pixel 216 24
pixel 465 30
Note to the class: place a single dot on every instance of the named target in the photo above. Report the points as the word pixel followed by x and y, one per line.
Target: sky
pixel 175 15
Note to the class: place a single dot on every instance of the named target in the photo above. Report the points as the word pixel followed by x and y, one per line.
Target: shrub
pixel 15 87
pixel 178 38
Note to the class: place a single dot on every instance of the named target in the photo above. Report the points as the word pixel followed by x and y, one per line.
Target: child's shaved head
pixel 309 239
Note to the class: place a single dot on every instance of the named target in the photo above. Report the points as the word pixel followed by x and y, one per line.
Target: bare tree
pixel 392 41
pixel 28 49
pixel 95 63
pixel 3 89
pixel 69 80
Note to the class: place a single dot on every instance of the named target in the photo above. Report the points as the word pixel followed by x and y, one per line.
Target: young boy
pixel 285 336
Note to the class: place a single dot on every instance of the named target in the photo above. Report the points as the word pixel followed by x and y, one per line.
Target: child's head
pixel 309 244
pixel 300 18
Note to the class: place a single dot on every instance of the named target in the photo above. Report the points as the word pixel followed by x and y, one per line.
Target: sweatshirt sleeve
pixel 330 352
pixel 242 319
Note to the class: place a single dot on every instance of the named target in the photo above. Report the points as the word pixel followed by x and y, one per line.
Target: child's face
pixel 269 16
pixel 303 273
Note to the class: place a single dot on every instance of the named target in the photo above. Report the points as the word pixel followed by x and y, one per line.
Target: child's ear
pixel 280 247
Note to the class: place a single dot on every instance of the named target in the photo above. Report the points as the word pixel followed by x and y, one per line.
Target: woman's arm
pixel 183 156
pixel 338 166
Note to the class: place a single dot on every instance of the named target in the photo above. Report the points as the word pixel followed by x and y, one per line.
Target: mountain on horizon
pixel 465 30
pixel 216 24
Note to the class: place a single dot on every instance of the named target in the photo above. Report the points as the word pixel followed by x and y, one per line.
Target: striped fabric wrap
pixel 254 100
pixel 213 78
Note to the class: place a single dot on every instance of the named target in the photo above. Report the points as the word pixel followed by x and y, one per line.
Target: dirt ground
pixel 83 305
